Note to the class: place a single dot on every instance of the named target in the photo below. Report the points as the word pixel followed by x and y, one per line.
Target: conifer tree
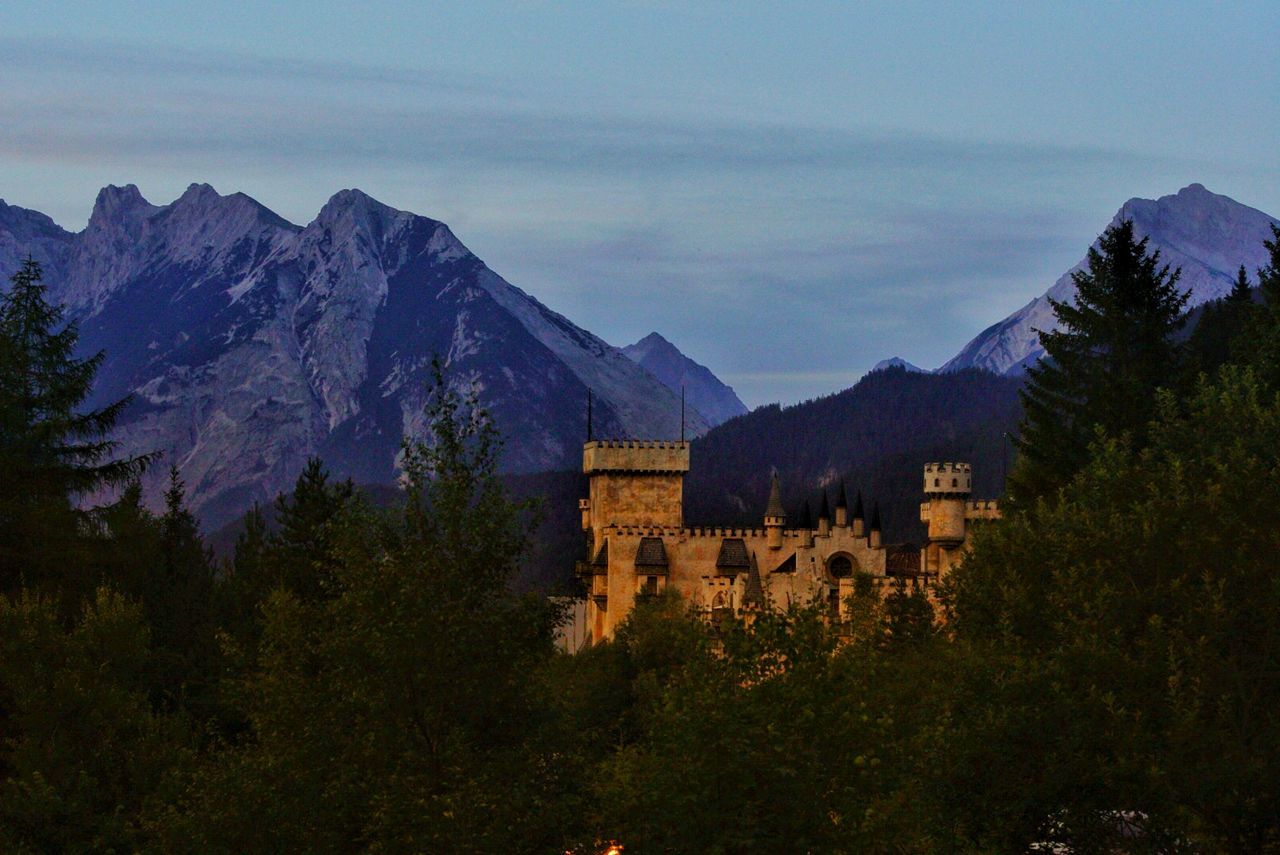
pixel 49 446
pixel 302 552
pixel 1258 343
pixel 1240 290
pixel 1115 346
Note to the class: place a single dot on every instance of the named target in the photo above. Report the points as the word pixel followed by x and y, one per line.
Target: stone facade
pixel 638 544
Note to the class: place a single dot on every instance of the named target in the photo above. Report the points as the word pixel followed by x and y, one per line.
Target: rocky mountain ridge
pixel 251 343
pixel 703 390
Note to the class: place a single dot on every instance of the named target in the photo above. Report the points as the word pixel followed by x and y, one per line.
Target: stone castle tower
pixel 948 513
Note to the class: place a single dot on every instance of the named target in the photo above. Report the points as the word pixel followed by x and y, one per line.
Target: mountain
pixel 1208 235
pixel 899 362
pixel 703 390
pixel 876 436
pixel 251 343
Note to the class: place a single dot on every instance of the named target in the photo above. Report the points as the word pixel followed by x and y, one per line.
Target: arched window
pixel 937 482
pixel 840 566
pixel 955 482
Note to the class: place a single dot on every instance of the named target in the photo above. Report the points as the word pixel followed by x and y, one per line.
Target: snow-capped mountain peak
pixel 1206 234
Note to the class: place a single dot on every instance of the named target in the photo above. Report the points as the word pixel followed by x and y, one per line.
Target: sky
pixel 789 192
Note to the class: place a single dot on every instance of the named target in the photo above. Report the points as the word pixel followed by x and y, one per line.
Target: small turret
pixel 775 517
pixel 824 517
pixel 875 539
pixel 842 507
pixel 806 525
pixel 859 517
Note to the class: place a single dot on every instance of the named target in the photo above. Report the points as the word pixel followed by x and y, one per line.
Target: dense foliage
pixel 1098 675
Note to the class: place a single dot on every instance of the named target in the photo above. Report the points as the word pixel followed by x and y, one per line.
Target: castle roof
pixel 774 508
pixel 601 562
pixel 841 501
pixel 875 517
pixel 824 510
pixel 858 513
pixel 733 555
pixel 788 566
pixel 754 594
pixel 902 559
pixel 806 516
pixel 651 553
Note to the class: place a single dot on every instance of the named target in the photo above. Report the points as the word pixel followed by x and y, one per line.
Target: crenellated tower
pixel 948 513
pixel 634 483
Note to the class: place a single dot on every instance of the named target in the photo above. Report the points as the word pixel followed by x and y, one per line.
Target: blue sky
pixel 788 191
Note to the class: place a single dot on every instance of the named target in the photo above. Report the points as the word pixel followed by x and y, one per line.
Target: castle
pixel 638 544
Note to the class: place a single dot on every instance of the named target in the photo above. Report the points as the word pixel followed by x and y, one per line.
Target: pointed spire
pixel 875 517
pixel 774 508
pixel 806 516
pixel 824 510
pixel 841 501
pixel 754 594
pixel 858 513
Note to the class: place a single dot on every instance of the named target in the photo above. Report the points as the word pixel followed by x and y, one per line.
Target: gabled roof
pixel 651 553
pixel 733 555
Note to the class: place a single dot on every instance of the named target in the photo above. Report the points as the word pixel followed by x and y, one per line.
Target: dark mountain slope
pixel 877 436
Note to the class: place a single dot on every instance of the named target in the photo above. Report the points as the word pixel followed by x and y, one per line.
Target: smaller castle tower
pixel 947 487
pixel 875 539
pixel 859 517
pixel 806 526
pixel 775 518
pixel 947 513
pixel 824 516
pixel 842 507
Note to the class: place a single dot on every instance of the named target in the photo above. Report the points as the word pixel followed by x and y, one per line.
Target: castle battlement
pixel 635 456
pixel 954 479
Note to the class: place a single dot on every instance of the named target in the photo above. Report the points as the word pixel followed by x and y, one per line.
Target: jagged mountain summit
pixel 1206 234
pixel 703 390
pixel 250 342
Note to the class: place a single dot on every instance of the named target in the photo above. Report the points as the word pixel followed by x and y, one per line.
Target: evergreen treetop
pixel 1114 347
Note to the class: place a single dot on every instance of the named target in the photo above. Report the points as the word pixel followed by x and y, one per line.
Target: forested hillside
pixel 877 436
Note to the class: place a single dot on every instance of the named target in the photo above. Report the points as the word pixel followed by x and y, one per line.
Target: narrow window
pixel 651 585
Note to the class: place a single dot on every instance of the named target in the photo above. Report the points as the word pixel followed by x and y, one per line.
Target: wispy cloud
pixel 786 257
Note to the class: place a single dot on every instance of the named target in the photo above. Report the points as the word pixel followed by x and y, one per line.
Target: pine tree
pixel 302 553
pixel 1115 346
pixel 1240 290
pixel 53 450
pixel 1269 276
pixel 1258 344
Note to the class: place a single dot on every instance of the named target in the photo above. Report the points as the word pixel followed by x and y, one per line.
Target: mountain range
pixel 1205 234
pixel 250 343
